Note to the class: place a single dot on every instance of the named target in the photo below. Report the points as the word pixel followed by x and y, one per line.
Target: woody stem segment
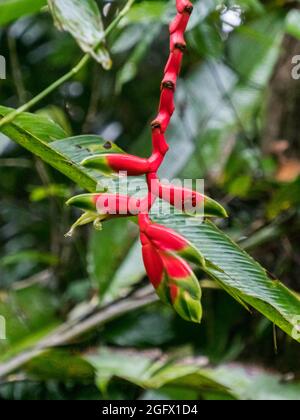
pixel 168 87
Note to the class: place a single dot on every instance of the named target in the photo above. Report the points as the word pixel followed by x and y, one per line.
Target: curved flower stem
pixel 168 87
pixel 76 69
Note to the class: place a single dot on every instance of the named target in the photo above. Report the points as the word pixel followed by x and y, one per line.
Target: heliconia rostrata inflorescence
pixel 165 252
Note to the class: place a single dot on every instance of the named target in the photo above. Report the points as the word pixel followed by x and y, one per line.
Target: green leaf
pixel 108 363
pixel 130 68
pixel 239 274
pixel 130 271
pixel 146 11
pixel 38 126
pixel 60 365
pixel 76 149
pixel 293 24
pixel 285 198
pixel 255 383
pixel 238 381
pixel 106 251
pixel 45 139
pixel 29 255
pixel 51 190
pixel 29 314
pixel 235 381
pixel 57 115
pixel 11 10
pixel 232 91
pixel 83 21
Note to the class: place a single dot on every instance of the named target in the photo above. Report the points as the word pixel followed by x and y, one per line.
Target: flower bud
pixel 110 163
pixel 184 289
pixel 189 201
pixel 173 280
pixel 168 240
pixel 152 261
pixel 106 204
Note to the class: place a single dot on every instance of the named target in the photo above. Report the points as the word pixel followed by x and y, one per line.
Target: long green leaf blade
pixel 237 271
pixel 83 21
pixel 11 10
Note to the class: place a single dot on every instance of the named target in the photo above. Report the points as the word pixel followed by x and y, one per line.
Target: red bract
pixel 186 200
pixel 165 239
pixel 109 205
pixel 152 261
pixel 109 163
pixel 173 280
pixel 163 248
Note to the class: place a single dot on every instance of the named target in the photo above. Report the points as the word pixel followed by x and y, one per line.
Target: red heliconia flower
pixel 152 261
pixel 108 205
pixel 109 163
pixel 165 239
pixel 173 280
pixel 189 201
pixel 164 251
pixel 183 286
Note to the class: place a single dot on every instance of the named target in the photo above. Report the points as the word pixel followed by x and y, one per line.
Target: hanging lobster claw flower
pixel 86 202
pixel 168 240
pixel 173 280
pixel 109 205
pixel 104 206
pixel 189 201
pixel 152 261
pixel 112 163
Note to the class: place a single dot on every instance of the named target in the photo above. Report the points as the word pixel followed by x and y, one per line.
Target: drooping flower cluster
pixel 165 252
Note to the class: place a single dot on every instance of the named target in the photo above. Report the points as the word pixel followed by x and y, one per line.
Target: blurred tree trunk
pixel 282 122
pixel 281 139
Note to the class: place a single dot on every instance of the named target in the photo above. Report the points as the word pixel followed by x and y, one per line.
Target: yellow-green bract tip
pixel 99 163
pixel 84 202
pixel 213 209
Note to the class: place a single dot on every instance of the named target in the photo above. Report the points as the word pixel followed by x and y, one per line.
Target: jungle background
pixel 236 126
